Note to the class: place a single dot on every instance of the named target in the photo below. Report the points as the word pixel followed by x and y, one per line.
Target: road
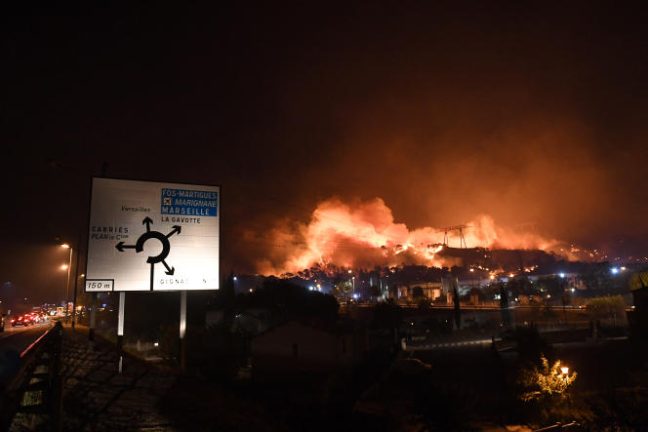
pixel 13 341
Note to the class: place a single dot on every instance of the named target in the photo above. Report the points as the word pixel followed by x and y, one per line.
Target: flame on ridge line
pixel 365 234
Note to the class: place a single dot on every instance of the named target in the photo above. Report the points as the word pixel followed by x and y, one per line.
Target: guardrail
pixel 32 399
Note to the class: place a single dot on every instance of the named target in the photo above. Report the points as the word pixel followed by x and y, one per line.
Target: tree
pixel 608 307
pixel 531 347
pixel 546 382
pixel 374 291
pixel 226 298
pixel 551 285
pixel 519 286
pixel 288 301
pixel 387 315
pixel 457 307
pixel 220 353
pixel 504 307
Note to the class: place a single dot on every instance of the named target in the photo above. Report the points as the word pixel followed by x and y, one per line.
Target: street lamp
pixel 67 267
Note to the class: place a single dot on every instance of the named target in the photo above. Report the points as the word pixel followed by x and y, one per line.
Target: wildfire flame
pixel 365 234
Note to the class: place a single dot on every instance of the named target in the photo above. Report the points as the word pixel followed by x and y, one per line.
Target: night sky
pixel 532 112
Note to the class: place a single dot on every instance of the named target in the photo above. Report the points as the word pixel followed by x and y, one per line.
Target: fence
pixel 32 398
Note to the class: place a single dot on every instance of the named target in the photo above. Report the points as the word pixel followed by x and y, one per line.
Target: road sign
pixel 151 236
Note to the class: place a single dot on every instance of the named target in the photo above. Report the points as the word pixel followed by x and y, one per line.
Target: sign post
pixel 93 316
pixel 152 236
pixel 183 329
pixel 120 319
pixel 120 328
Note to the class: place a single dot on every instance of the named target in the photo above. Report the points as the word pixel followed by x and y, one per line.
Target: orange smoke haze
pixel 365 234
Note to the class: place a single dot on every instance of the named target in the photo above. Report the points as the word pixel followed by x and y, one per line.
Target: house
pixel 638 316
pixel 427 290
pixel 296 347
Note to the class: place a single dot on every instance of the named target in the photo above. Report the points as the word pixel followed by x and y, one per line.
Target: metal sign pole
pixel 183 328
pixel 120 319
pixel 120 328
pixel 93 316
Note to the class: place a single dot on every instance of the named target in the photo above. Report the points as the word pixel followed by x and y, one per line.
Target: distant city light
pixel 65 246
pixel 614 270
pixel 573 290
pixel 235 278
pixel 356 296
pixel 562 275
pixel 64 266
pixel 156 344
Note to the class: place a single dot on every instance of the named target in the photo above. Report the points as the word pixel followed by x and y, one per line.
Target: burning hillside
pixel 365 234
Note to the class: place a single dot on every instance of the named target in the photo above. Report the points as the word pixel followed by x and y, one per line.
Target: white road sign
pixel 150 236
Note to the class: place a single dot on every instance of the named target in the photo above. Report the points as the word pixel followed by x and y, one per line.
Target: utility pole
pixel 457 304
pixel 67 281
pixel 460 230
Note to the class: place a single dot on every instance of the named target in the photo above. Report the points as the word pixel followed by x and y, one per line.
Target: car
pixel 35 317
pixel 22 320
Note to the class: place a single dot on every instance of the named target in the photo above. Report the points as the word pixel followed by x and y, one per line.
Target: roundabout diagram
pixel 163 239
